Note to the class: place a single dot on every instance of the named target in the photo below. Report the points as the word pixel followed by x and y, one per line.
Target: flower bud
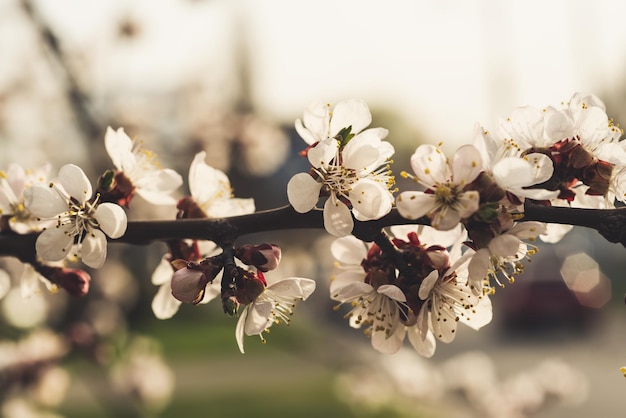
pixel 264 257
pixel 75 281
pixel 248 286
pixel 188 285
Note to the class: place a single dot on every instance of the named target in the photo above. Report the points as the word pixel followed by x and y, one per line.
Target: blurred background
pixel 230 77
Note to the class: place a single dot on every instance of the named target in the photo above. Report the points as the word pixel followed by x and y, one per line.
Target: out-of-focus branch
pixel 611 223
pixel 77 98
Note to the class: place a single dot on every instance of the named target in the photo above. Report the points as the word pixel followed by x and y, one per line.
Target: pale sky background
pixel 442 65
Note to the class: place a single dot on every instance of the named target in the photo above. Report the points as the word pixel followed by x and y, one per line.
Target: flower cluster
pixel 407 289
pixel 349 165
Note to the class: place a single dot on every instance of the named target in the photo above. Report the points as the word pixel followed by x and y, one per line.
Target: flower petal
pixel 337 218
pixel 118 145
pixel 370 200
pixel 94 249
pixel 164 305
pixel 303 192
pixel 466 165
pixel 315 123
pixel 348 250
pixel 480 316
pixel 239 328
pixel 75 182
pixel 352 112
pixel 162 273
pixel 425 346
pixel 111 219
pixel 392 292
pixel 388 344
pixel 205 182
pixel 430 165
pixel 223 208
pixel 321 154
pixel 258 319
pixel 44 201
pixel 414 205
pixel 53 244
pixel 5 283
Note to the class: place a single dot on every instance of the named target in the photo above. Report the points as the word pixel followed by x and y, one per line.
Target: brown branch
pixel 611 223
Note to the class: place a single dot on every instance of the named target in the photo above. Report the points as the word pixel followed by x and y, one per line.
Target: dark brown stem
pixel 611 223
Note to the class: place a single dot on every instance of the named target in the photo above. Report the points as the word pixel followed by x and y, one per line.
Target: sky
pixel 441 65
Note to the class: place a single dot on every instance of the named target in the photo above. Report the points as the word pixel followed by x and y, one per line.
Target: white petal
pixel 258 319
pixel 430 165
pixel 480 316
pixel 303 192
pixel 370 200
pixel 205 182
pixel 527 230
pixel 295 287
pixel 392 292
pixel 156 186
pixel 94 249
pixel 118 145
pixel 555 233
pixel 505 245
pixel 526 124
pixel 359 155
pixel 427 284
pixel 240 326
pixel 478 269
pixel 353 112
pixel 164 305
pixel 162 273
pixel 388 344
pixel 445 218
pixel 513 172
pixel 322 153
pixel 414 205
pixel 348 250
pixel 5 283
pixel 44 201
pixel 559 126
pixel 337 218
pixel 75 182
pixel 111 219
pixel 443 322
pixel 467 205
pixel 425 346
pixel 53 244
pixel 224 208
pixel 343 279
pixel 352 291
pixel 315 123
pixel 466 165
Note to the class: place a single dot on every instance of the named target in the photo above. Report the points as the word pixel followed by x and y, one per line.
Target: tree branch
pixel 611 223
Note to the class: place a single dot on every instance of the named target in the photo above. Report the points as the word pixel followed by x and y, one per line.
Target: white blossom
pixel 448 300
pixel 211 191
pixel 502 255
pixel 349 164
pixel 80 222
pixel 13 182
pixel 152 182
pixel 448 203
pixel 273 306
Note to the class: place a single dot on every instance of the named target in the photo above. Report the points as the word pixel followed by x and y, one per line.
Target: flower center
pixel 337 179
pixel 447 194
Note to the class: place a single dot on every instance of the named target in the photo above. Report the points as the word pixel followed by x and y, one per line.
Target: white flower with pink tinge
pixel 81 223
pixel 349 164
pixel 446 202
pixel 273 306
